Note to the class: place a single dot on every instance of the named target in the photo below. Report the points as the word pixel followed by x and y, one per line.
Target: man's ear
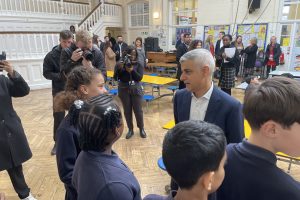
pixel 208 179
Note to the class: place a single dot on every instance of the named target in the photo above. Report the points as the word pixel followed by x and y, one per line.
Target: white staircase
pixel 103 15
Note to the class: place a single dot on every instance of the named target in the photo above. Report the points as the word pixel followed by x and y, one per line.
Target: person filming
pixel 129 73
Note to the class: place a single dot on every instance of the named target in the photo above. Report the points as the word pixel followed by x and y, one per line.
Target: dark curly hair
pixel 97 120
pixel 78 76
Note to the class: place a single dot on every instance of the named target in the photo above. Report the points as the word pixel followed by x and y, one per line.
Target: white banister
pixel 114 12
pixel 43 6
pixel 27 45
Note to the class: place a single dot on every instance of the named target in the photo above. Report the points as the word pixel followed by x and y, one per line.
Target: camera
pixel 87 54
pixel 126 62
pixel 2 57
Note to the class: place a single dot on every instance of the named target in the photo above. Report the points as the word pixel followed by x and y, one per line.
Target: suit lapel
pixel 186 106
pixel 213 105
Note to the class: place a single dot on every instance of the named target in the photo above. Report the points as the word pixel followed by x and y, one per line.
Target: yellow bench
pixel 280 156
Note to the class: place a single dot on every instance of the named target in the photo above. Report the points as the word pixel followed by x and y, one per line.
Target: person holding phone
pixel 14 147
pixel 129 73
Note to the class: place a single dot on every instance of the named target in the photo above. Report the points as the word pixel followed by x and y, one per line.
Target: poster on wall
pixel 214 31
pixel 182 30
pixel 248 31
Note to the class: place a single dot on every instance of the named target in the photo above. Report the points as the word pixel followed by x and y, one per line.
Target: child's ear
pixel 270 129
pixel 208 179
pixel 83 90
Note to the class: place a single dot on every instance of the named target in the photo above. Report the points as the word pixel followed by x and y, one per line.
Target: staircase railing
pixel 97 14
pixel 19 7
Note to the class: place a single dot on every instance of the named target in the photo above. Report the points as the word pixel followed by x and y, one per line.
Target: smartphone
pixel 2 57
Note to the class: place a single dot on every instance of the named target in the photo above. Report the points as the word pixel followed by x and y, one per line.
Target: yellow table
pixel 247 128
pixel 151 79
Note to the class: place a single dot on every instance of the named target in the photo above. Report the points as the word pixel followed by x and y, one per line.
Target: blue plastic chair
pixel 161 164
pixel 113 91
pixel 148 99
pixel 173 88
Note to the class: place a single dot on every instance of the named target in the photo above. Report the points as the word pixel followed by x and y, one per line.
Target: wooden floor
pixel 141 155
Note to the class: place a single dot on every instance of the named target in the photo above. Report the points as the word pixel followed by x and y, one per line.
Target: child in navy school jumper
pixel 82 83
pixel 194 156
pixel 99 173
pixel 273 112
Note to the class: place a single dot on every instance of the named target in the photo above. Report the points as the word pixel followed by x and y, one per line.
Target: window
pixel 139 14
pixel 291 10
pixel 184 12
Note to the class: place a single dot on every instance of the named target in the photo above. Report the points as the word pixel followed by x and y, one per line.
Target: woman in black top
pixel 250 59
pixel 14 148
pixel 228 65
pixel 129 72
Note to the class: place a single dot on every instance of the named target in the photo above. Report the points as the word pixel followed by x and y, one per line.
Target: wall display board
pixel 248 31
pixel 214 31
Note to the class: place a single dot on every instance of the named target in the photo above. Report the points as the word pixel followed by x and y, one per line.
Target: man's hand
pixel 76 55
pixel 87 63
pixel 4 65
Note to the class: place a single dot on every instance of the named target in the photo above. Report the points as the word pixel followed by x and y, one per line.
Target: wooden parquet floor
pixel 141 155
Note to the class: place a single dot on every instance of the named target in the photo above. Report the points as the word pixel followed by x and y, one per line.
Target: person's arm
pixel 179 53
pixel 16 85
pixel 66 63
pixel 48 69
pixel 278 52
pixel 110 54
pixel 99 62
pixel 137 75
pixel 235 124
pixel 118 191
pixel 66 155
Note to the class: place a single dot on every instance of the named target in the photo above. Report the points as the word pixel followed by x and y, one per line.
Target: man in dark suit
pixel 202 101
pixel 181 50
pixel 120 47
pixel 180 41
pixel 219 45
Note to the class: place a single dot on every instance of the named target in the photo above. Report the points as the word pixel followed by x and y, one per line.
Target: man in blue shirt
pixel 194 156
pixel 272 110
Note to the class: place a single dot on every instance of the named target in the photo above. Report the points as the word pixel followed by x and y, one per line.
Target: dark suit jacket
pixel 117 50
pixel 223 111
pixel 181 50
pixel 14 148
pixel 217 48
pixel 178 43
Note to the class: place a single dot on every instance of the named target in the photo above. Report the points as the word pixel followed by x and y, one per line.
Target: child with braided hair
pixel 99 173
pixel 82 84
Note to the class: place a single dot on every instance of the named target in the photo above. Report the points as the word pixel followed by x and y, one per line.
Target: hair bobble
pixel 78 104
pixel 109 109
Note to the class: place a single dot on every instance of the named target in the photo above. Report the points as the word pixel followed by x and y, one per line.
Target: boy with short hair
pixel 194 156
pixel 273 112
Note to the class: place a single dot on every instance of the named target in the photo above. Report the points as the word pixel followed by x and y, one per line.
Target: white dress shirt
pixel 199 105
pixel 221 43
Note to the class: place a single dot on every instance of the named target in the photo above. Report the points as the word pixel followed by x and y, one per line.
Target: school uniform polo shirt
pixel 251 174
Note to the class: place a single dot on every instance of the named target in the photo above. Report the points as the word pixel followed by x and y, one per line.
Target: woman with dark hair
pixel 250 59
pixel 238 43
pixel 82 84
pixel 14 147
pixel 97 41
pixel 228 65
pixel 99 173
pixel 141 51
pixel 110 56
pixel 129 73
pixel 196 44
